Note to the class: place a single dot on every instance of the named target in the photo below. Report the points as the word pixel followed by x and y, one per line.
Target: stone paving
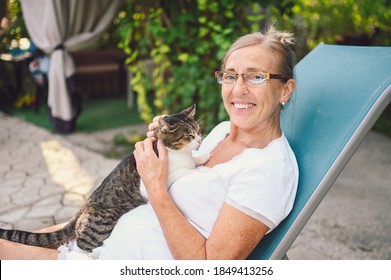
pixel 45 178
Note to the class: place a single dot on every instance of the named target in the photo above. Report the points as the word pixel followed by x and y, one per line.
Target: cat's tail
pixel 44 239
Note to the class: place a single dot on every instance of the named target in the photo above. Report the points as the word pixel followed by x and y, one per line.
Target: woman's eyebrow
pixel 252 69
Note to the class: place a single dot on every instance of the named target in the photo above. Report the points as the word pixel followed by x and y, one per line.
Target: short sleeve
pixel 265 190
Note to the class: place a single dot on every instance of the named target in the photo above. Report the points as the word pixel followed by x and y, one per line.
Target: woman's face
pixel 253 107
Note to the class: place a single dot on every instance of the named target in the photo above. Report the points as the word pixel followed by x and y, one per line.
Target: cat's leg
pixel 202 159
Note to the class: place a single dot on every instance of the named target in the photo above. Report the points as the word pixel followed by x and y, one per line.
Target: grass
pixel 97 114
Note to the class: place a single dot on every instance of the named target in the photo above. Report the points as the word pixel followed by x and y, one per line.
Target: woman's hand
pixel 153 169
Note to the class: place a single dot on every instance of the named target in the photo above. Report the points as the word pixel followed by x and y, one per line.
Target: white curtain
pixel 58 27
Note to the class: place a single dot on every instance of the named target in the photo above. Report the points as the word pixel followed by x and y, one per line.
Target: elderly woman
pixel 224 208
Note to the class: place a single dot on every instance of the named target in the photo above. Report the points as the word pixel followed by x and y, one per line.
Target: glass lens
pixel 254 78
pixel 225 77
pixel 219 77
pixel 229 78
pixel 250 78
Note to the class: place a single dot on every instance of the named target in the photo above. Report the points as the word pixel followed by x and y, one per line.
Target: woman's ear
pixel 287 91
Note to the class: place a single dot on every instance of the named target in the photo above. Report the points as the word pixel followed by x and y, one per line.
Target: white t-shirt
pixel 260 182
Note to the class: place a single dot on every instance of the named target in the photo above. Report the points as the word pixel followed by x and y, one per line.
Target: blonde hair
pixel 279 43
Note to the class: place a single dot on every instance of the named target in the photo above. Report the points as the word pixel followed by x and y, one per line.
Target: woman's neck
pixel 254 138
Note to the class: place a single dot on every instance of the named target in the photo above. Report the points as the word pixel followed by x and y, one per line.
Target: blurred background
pixel 159 56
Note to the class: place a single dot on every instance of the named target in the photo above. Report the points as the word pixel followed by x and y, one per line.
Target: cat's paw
pixel 202 159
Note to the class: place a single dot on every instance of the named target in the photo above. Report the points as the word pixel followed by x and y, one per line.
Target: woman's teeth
pixel 243 106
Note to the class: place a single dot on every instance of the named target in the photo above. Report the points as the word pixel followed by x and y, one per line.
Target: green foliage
pixel 325 20
pixel 174 47
pixel 16 28
pixel 185 42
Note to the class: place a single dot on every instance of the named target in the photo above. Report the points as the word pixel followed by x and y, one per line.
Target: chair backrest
pixel 341 91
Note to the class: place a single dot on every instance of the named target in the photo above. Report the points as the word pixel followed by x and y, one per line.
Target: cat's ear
pixel 190 112
pixel 164 126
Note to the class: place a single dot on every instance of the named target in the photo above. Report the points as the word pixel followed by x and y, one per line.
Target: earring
pixel 283 103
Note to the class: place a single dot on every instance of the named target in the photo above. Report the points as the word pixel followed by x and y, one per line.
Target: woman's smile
pixel 243 106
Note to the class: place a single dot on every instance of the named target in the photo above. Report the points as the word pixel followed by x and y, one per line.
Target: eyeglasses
pixel 249 78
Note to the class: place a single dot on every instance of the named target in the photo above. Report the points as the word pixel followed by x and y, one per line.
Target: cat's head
pixel 180 131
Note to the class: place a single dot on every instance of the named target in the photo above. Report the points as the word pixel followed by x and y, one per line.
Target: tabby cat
pixel 120 191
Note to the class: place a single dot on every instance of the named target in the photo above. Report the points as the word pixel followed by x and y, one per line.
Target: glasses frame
pixel 268 76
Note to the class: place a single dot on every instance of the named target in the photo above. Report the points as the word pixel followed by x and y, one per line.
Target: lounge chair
pixel 341 92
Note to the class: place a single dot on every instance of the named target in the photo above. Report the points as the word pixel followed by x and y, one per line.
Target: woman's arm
pixel 234 235
pixel 16 251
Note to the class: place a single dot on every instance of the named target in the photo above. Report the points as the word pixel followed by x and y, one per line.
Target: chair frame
pixel 373 96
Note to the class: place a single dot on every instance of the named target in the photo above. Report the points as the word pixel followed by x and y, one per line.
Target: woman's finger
pixel 150 134
pixel 152 126
pixel 139 145
pixel 161 150
pixel 148 148
pixel 138 148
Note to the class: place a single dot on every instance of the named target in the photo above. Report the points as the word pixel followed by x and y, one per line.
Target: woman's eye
pixel 256 77
pixel 229 77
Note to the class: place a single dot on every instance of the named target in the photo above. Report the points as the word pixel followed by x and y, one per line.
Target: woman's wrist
pixel 158 197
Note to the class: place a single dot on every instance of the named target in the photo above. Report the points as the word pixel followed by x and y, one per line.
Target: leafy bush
pixel 181 43
pixel 175 46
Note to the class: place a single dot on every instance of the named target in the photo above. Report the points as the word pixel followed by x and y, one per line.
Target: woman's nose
pixel 239 87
